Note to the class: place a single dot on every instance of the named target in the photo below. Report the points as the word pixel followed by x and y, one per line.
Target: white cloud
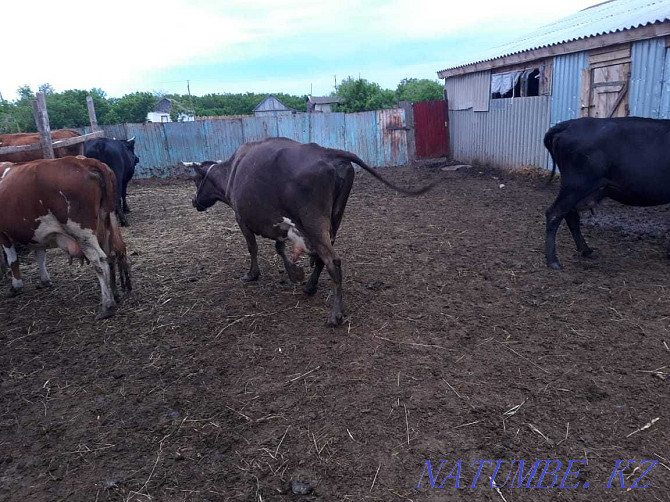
pixel 122 45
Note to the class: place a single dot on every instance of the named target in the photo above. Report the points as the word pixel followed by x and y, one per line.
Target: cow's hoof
pixel 15 292
pixel 334 319
pixel 248 277
pixel 555 265
pixel 44 284
pixel 105 312
pixel 296 274
pixel 310 289
pixel 587 253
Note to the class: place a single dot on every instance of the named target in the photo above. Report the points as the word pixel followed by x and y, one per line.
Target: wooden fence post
pixel 42 121
pixel 91 114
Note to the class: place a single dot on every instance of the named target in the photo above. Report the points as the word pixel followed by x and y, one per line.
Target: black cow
pixel 625 159
pixel 287 191
pixel 120 156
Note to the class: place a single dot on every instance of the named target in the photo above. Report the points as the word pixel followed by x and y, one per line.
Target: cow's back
pixel 23 139
pixel 276 165
pixel 70 188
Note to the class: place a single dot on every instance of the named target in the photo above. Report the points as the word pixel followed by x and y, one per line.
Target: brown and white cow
pixel 22 139
pixel 67 203
pixel 288 192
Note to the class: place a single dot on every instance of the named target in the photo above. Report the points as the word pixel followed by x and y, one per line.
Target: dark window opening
pixel 516 83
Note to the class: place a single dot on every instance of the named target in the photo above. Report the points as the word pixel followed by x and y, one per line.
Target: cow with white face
pixel 67 203
pixel 291 193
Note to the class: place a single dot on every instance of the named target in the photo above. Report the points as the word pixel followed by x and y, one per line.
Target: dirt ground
pixel 458 344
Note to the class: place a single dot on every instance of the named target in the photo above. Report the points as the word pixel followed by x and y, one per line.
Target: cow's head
pixel 206 189
pixel 130 145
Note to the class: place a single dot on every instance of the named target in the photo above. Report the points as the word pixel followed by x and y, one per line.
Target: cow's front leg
pixel 295 273
pixel 13 262
pixel 254 272
pixel 41 260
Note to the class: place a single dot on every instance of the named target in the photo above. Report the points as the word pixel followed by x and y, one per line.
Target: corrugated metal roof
pixel 600 19
pixel 324 100
pixel 271 103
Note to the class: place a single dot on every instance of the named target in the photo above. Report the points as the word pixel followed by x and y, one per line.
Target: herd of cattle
pixel 289 192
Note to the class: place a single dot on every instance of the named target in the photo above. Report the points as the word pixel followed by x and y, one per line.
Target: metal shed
pixel 608 60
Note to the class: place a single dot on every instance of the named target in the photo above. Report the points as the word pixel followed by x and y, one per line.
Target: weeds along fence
pixel 380 137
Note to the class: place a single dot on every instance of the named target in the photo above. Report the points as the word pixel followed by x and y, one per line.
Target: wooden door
pixel 605 83
pixel 430 129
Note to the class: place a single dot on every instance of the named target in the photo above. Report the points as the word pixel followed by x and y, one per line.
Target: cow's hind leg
pixel 563 205
pixel 313 282
pixel 100 263
pixel 41 260
pixel 346 175
pixel 333 264
pixel 126 209
pixel 13 262
pixel 572 219
pixel 3 265
pixel 295 273
pixel 254 272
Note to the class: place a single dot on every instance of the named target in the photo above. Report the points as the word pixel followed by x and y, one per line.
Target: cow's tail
pixel 344 155
pixel 107 182
pixel 113 244
pixel 550 139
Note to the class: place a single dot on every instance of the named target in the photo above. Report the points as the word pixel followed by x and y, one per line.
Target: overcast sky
pixel 264 46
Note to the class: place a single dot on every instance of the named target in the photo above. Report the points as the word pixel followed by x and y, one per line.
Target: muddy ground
pixel 458 344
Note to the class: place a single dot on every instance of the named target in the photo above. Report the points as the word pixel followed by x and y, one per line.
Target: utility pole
pixel 190 98
pixel 335 77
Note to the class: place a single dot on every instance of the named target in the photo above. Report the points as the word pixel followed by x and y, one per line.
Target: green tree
pixel 417 90
pixel 22 112
pixel 132 108
pixel 359 95
pixel 47 89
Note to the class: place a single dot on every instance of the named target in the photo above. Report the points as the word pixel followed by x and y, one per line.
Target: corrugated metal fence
pixel 376 137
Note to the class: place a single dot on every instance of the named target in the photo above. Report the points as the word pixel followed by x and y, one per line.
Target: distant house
pixel 162 111
pixel 272 107
pixel 322 103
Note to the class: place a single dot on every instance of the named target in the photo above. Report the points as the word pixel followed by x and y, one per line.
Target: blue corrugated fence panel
pixel 150 148
pixel 222 138
pixel 185 141
pixel 258 128
pixel 361 136
pixel 295 127
pixel 377 137
pixel 328 129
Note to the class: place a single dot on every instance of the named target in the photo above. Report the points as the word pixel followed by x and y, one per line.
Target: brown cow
pixel 288 192
pixel 24 138
pixel 67 203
